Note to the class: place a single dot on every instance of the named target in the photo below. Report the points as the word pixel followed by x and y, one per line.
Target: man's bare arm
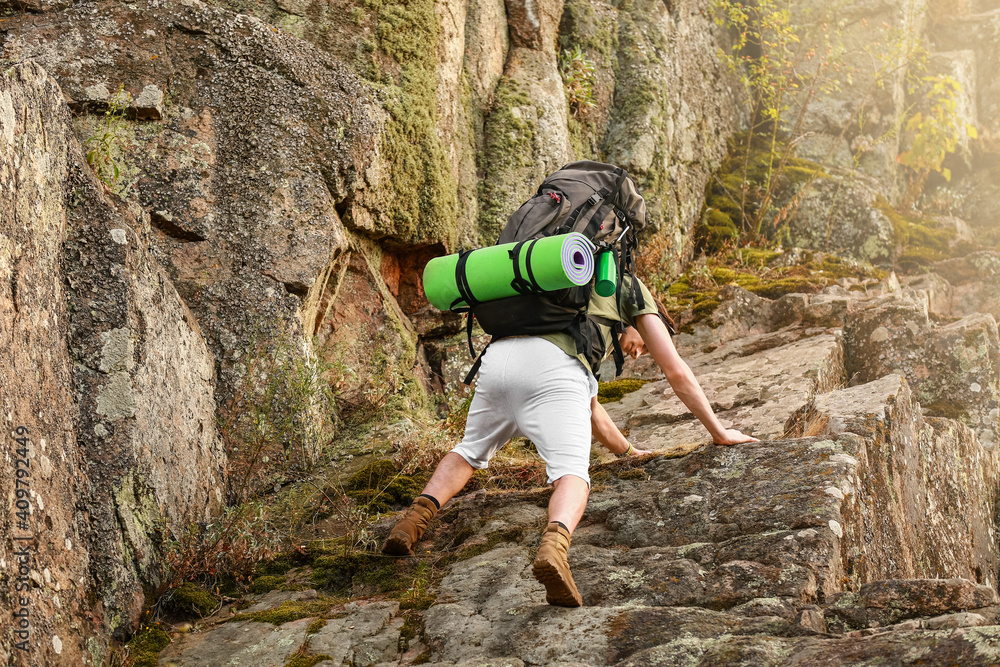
pixel 657 339
pixel 607 433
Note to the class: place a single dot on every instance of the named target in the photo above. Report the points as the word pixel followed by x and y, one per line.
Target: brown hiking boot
pixel 552 569
pixel 410 528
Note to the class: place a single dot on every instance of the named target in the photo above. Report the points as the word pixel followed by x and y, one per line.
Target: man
pixel 540 388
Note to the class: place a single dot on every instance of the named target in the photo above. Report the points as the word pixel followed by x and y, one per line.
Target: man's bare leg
pixel 551 566
pixel 568 501
pixel 450 476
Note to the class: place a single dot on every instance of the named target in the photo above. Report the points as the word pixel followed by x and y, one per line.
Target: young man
pixel 538 387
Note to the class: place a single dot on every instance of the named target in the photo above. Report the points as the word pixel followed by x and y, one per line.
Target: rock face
pixel 293 165
pixel 108 376
pixel 246 173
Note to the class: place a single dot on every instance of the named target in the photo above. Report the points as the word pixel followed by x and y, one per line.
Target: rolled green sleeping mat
pixel 554 262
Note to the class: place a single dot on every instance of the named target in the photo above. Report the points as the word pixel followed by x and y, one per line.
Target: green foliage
pixel 104 146
pixel 579 74
pixel 934 134
pixel 226 550
pixel 609 392
pixel 782 80
pixel 758 171
pixel 418 596
pixel 145 647
pixel 761 52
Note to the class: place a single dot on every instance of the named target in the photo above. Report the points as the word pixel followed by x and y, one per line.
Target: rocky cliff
pixel 107 393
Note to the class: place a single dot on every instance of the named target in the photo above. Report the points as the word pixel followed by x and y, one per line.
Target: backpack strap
pixel 469 318
pixel 521 284
pixel 617 328
pixel 601 195
pixel 608 197
pixel 462 283
pixel 475 366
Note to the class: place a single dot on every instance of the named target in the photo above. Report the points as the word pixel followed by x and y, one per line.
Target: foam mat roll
pixel 556 262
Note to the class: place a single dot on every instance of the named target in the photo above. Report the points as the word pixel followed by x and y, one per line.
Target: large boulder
pixel 107 376
pixel 975 280
pixel 953 369
pixel 843 216
pixel 922 502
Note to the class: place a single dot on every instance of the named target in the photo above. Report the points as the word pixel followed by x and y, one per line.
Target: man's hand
pixel 733 437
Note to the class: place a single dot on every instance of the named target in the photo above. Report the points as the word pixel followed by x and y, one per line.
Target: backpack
pixel 601 202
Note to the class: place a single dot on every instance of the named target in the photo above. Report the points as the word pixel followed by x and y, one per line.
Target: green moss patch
pixel 144 648
pixel 922 241
pixel 420 192
pixel 189 598
pixel 381 488
pixel 510 136
pixel 316 626
pixel 745 196
pixel 492 540
pixel 694 296
pixel 341 573
pixel 946 408
pixel 609 392
pixel 267 583
pixel 290 610
pixel 634 473
pixel 302 660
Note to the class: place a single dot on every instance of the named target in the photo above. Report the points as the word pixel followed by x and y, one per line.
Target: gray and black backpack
pixel 595 199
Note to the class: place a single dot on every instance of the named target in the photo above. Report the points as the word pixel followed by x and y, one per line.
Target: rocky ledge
pixel 861 528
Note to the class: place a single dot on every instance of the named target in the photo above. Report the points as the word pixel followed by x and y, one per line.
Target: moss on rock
pixel 609 392
pixel 145 647
pixel 290 610
pixel 189 598
pixel 381 488
pixel 267 583
pixel 510 135
pixel 492 540
pixel 341 573
pixel 420 191
pixel 302 660
pixel 923 241
pixel 755 180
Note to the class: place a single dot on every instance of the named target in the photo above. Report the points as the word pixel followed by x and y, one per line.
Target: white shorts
pixel 529 387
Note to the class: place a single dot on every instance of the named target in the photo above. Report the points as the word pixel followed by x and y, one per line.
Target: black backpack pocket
pixel 527 315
